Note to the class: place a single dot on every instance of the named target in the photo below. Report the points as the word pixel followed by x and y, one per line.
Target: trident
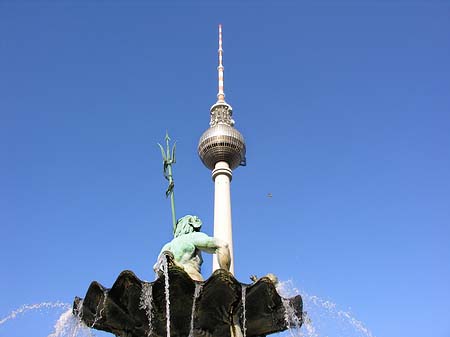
pixel 168 160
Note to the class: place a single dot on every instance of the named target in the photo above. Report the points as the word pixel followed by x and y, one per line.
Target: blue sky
pixel 345 108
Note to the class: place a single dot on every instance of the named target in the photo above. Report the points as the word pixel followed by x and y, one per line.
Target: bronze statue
pixel 188 244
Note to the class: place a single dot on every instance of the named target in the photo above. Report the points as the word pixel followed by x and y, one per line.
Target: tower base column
pixel 222 176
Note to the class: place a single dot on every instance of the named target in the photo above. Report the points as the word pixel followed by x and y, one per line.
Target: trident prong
pixel 168 156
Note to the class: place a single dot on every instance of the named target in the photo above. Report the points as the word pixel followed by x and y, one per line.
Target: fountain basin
pixel 218 307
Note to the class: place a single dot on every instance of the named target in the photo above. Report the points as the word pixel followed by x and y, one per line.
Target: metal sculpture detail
pixel 188 245
pixel 168 160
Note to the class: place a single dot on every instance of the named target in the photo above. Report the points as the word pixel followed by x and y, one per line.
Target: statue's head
pixel 187 224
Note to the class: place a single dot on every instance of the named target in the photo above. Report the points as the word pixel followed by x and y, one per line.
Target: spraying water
pixel 166 283
pixel 99 312
pixel 30 307
pixel 146 303
pixel 67 324
pixel 310 329
pixel 198 289
pixel 344 318
pixel 287 312
pixel 244 314
pixel 323 318
pixel 70 326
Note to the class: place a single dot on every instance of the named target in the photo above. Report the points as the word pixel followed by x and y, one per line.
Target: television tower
pixel 222 149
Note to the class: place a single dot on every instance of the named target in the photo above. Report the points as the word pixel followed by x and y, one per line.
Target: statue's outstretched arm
pixel 214 246
pixel 223 256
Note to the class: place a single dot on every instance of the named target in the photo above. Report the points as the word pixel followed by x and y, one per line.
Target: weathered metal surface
pixel 219 305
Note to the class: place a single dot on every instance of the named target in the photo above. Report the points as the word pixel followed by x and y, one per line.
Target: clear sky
pixel 345 108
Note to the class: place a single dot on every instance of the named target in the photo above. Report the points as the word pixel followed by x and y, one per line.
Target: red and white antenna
pixel 220 68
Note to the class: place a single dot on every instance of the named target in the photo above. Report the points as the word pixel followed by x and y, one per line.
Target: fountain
pixel 212 311
pixel 180 302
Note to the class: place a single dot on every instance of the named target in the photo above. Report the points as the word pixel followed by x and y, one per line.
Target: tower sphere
pixel 221 142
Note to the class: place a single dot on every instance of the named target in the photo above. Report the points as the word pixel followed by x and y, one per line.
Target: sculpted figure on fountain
pixel 187 247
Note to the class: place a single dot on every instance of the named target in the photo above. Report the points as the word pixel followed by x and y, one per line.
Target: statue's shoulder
pixel 199 238
pixel 199 235
pixel 189 238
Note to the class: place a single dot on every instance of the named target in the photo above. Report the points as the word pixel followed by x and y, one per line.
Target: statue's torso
pixel 185 252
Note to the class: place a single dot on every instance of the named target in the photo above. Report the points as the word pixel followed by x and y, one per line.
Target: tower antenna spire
pixel 220 68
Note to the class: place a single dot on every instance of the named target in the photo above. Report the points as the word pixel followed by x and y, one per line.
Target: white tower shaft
pixel 222 149
pixel 222 175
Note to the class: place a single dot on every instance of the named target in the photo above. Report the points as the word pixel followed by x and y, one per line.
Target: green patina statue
pixel 188 242
pixel 188 245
